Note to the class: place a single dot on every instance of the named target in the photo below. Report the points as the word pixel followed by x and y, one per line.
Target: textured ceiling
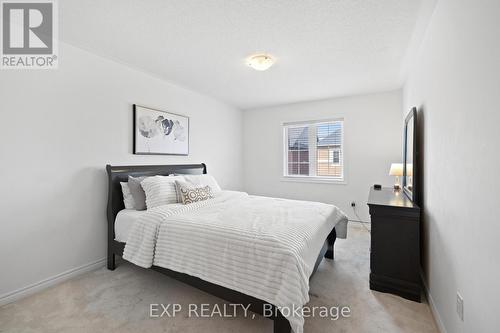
pixel 324 48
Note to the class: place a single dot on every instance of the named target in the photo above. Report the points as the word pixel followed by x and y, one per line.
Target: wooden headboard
pixel 117 174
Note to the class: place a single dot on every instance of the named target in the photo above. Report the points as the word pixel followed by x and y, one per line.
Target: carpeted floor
pixel 119 301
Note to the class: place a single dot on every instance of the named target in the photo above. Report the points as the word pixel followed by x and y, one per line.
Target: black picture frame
pixel 135 143
pixel 410 123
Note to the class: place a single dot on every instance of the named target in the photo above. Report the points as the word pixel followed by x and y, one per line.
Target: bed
pixel 226 224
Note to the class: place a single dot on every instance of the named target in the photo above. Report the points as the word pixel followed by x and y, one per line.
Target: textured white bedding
pixel 262 247
pixel 124 221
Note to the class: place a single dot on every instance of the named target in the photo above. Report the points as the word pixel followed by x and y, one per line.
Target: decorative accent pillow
pixel 194 194
pixel 134 184
pixel 160 190
pixel 202 181
pixel 128 200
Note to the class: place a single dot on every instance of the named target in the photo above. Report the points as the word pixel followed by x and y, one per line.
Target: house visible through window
pixel 314 149
pixel 334 156
pixel 298 150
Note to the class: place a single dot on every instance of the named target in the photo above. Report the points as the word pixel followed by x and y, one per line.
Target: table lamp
pixel 397 171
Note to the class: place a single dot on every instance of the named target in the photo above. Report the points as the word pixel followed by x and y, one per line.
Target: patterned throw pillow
pixel 194 194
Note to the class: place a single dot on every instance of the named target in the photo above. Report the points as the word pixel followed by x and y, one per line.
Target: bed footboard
pixel 331 242
pixel 281 324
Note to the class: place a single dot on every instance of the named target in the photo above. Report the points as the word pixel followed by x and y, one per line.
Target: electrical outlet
pixel 460 306
pixel 353 204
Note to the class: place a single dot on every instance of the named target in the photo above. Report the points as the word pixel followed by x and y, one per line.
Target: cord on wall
pixel 359 220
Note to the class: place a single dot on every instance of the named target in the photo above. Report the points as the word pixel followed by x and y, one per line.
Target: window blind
pixel 298 150
pixel 329 149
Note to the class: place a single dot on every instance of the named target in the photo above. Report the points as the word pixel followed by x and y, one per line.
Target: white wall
pixel 58 129
pixel 372 141
pixel 455 83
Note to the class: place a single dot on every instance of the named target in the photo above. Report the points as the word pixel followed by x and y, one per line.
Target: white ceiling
pixel 324 48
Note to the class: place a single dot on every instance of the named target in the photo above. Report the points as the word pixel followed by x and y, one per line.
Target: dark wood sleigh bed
pixel 117 174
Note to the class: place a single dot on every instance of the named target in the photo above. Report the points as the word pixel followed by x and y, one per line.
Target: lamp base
pixel 397 186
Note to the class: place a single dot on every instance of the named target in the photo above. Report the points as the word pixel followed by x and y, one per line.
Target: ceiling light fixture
pixel 260 62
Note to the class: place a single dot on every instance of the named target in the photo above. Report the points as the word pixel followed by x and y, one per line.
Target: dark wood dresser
pixel 395 244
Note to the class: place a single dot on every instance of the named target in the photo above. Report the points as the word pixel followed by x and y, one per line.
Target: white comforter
pixel 262 247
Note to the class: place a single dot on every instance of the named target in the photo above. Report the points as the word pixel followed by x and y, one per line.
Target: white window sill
pixel 313 179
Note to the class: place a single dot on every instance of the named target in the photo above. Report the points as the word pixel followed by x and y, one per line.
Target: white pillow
pixel 160 190
pixel 202 181
pixel 128 200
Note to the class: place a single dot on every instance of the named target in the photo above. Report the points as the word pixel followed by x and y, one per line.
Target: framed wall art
pixel 159 132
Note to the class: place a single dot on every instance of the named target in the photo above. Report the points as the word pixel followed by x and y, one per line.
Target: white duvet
pixel 263 247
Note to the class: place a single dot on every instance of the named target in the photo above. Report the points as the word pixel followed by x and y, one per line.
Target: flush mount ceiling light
pixel 260 62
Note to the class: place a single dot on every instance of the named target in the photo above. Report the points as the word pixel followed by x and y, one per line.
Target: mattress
pixel 258 246
pixel 125 219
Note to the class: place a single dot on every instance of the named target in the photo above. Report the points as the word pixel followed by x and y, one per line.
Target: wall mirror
pixel 410 155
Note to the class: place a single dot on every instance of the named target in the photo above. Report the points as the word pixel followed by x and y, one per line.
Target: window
pixel 298 150
pixel 314 149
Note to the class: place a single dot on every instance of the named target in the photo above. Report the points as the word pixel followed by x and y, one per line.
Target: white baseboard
pixel 51 281
pixel 432 305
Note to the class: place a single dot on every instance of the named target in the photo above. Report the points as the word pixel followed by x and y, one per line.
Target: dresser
pixel 395 244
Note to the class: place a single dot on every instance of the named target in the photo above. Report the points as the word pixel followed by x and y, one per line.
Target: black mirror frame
pixel 413 194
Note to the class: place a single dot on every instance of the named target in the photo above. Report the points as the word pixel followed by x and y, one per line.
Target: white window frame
pixel 312 153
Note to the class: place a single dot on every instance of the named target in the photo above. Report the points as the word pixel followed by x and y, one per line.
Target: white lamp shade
pixel 396 169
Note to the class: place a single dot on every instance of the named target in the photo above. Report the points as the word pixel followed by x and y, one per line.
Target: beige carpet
pixel 119 301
